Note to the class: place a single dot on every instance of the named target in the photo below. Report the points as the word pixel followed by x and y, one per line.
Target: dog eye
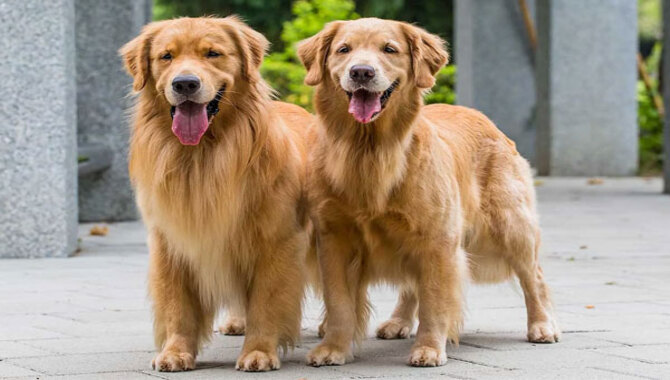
pixel 343 49
pixel 213 54
pixel 167 56
pixel 389 49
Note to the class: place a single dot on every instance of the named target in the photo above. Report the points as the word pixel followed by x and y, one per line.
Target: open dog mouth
pixel 365 105
pixel 190 120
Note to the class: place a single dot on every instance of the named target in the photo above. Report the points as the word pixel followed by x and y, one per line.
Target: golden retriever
pixel 219 172
pixel 418 196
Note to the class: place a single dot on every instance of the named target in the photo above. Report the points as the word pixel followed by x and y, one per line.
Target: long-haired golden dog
pixel 219 171
pixel 421 197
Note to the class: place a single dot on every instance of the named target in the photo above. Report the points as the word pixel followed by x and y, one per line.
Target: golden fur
pixel 422 197
pixel 226 218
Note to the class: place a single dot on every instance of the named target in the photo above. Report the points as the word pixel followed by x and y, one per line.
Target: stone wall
pixel 102 27
pixel 495 67
pixel 586 85
pixel 38 164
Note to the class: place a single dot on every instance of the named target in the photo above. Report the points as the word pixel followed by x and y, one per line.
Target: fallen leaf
pixel 583 246
pixel 571 258
pixel 595 181
pixel 538 182
pixel 590 307
pixel 610 283
pixel 99 231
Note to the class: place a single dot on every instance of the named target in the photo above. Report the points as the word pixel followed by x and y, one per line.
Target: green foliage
pixel 650 122
pixel 444 89
pixel 311 15
pixel 269 16
pixel 287 80
pixel 282 69
pixel 651 133
pixel 649 18
pixel 436 16
pixel 263 15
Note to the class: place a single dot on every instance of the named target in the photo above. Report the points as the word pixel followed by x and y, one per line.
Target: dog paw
pixel 258 361
pixel 425 356
pixel 170 361
pixel 544 332
pixel 232 326
pixel 326 355
pixel 394 328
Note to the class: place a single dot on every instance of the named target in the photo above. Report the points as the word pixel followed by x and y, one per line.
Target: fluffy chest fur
pixel 218 204
pixel 396 196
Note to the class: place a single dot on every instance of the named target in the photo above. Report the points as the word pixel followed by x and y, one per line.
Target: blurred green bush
pixel 283 69
pixel 649 120
pixel 444 90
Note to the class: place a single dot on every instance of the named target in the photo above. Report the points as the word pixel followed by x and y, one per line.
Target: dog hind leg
pixel 400 325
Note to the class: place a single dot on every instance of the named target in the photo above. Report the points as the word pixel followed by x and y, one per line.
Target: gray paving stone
pixel 101 316
pixel 16 332
pixel 635 368
pixel 104 376
pixel 83 330
pixel 86 363
pixel 514 341
pixel 88 316
pixel 652 354
pixel 9 349
pixel 633 337
pixel 11 370
pixel 570 373
pixel 100 344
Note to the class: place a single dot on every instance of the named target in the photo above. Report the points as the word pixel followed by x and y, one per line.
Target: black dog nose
pixel 186 84
pixel 362 73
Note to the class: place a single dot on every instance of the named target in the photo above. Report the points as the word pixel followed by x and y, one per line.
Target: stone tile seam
pixel 53 353
pixel 10 361
pixel 150 373
pixel 481 364
pixel 651 362
pixel 624 373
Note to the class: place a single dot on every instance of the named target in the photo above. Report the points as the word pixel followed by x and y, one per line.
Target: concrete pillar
pixel 586 86
pixel 38 177
pixel 102 27
pixel 666 94
pixel 495 67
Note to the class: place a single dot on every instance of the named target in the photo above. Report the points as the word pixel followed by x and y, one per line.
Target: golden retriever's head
pixel 370 59
pixel 193 63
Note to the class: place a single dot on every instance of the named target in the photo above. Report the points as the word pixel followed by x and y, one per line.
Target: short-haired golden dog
pixel 219 173
pixel 419 196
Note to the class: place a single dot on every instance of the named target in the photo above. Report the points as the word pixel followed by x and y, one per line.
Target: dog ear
pixel 428 54
pixel 136 58
pixel 313 52
pixel 251 45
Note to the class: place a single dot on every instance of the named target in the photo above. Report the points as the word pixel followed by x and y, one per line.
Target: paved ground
pixel 605 255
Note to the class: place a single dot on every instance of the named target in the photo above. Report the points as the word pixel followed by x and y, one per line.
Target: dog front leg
pixel 440 289
pixel 274 305
pixel 344 299
pixel 181 322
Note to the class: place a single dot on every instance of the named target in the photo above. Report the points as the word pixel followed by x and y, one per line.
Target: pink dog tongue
pixel 190 122
pixel 363 105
